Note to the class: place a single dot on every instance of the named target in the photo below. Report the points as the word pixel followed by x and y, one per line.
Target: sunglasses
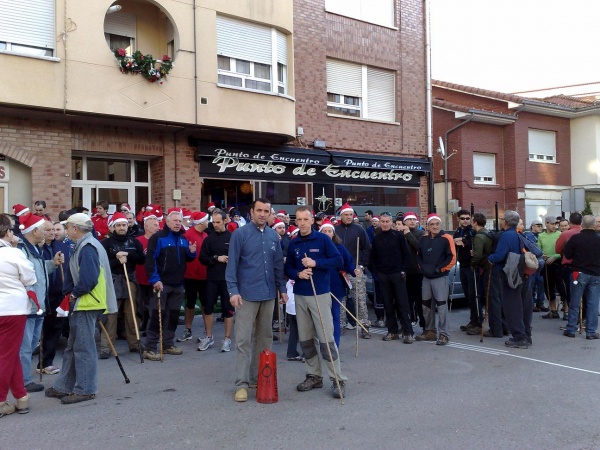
pixel 464 218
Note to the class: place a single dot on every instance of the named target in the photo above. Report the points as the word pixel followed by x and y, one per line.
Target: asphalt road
pixel 466 395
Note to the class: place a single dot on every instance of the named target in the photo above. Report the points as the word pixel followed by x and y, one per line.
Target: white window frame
pixel 27 28
pixel 379 12
pixel 544 146
pixel 362 84
pixel 482 176
pixel 274 55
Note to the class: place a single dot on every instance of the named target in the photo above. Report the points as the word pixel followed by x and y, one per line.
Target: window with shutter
pixel 27 27
pixel 484 168
pixel 542 146
pixel 380 12
pixel 250 56
pixel 120 30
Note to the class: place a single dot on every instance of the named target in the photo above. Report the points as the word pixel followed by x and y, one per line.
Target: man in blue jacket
pixel 312 255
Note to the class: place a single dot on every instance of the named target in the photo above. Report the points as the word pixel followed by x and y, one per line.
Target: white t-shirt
pixel 16 272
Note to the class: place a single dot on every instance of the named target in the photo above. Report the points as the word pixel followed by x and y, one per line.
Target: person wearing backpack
pixel 516 301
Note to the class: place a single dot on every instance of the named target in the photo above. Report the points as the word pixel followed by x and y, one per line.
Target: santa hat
pixel 411 215
pixel 19 210
pixel 326 224
pixel 149 215
pixel 63 308
pixel 346 208
pixel 292 230
pixel 432 216
pixel 199 217
pixel 186 213
pixel 375 218
pixel 211 205
pixel 232 226
pixel 155 210
pixel 174 211
pixel 278 223
pixel 33 297
pixel 282 212
pixel 116 218
pixel 30 222
pixel 126 207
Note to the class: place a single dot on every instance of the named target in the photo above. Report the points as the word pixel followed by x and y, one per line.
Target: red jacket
pixel 101 226
pixel 195 270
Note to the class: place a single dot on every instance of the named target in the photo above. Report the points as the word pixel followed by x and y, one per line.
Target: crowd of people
pixel 133 272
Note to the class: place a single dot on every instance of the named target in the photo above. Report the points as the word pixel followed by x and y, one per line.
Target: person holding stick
pixel 309 261
pixel 88 285
pixel 254 274
pixel 122 250
pixel 482 247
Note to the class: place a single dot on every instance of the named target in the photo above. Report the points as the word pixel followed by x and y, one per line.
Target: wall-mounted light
pixel 319 143
pixel 113 9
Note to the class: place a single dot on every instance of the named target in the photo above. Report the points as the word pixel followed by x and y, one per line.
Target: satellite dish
pixel 442 150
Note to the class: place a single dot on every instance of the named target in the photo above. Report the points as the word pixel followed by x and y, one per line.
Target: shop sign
pixel 4 169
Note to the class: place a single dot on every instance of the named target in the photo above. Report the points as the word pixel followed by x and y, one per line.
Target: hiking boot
pixel 22 405
pixel 206 343
pixel 335 391
pixel 34 387
pixel 241 395
pixel 6 409
pixel 152 356
pixel 551 315
pixel 443 340
pixel 467 326
pixel 364 334
pixel 311 382
pixel 529 340
pixel 77 398
pixel 474 331
pixel 511 343
pixel 593 336
pixel 488 333
pixel 172 350
pixel 566 315
pixel 541 308
pixel 408 339
pixel 379 324
pixel 185 336
pixel 391 337
pixel 226 347
pixel 103 355
pixel 568 334
pixel 53 393
pixel 427 336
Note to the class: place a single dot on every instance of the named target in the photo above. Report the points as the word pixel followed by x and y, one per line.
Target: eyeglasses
pixel 464 218
pixel 385 213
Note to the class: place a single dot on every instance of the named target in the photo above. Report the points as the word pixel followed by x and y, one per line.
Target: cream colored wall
pixel 19 186
pixel 95 85
pixel 585 151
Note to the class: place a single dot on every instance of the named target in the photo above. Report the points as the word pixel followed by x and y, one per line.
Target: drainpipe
pixel 446 156
pixel 195 69
pixel 430 184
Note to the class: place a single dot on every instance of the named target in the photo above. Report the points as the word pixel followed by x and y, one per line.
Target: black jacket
pixel 413 238
pixel 436 255
pixel 583 248
pixel 349 234
pixel 463 254
pixel 215 245
pixel 114 244
pixel 389 253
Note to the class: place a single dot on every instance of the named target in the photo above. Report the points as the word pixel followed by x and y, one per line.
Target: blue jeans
pixel 79 373
pixel 590 286
pixel 31 337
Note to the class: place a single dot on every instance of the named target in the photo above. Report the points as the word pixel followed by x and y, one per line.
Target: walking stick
pixel 135 324
pixel 348 311
pixel 580 318
pixel 487 304
pixel 337 382
pixel 279 316
pixel 40 355
pixel 476 294
pixel 110 344
pixel 160 337
pixel 356 296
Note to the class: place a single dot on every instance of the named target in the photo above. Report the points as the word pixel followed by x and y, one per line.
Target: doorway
pixel 228 193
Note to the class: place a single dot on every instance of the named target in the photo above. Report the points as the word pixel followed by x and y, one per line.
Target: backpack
pixel 529 258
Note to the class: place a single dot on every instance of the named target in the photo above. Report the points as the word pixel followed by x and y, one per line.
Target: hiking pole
pixel 452 289
pixel 580 319
pixel 348 311
pixel 476 295
pixel 160 336
pixel 135 324
pixel 487 304
pixel 40 355
pixel 279 316
pixel 356 296
pixel 110 344
pixel 337 381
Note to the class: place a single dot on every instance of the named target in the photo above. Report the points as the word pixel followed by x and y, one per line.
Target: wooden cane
pixel 580 318
pixel 279 316
pixel 356 296
pixel 337 381
pixel 114 352
pixel 487 305
pixel 135 324
pixel 160 336
pixel 348 311
pixel 40 355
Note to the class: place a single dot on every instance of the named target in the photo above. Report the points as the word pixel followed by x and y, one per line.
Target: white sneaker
pixel 226 347
pixel 349 326
pixel 206 343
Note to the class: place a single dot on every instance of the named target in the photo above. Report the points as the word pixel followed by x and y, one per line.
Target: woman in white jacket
pixel 16 272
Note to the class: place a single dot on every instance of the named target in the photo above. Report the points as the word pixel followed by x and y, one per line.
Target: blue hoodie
pixel 319 247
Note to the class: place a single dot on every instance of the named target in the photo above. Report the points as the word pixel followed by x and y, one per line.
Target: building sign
pixel 4 169
pixel 304 165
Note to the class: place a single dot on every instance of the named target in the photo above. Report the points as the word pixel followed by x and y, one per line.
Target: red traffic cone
pixel 266 391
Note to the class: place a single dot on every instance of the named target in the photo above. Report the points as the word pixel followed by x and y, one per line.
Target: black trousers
pixel 517 307
pixel 395 302
pixel 414 286
pixel 51 332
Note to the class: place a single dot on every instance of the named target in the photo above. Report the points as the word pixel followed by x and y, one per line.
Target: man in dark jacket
pixel 436 257
pixel 124 253
pixel 390 258
pixel 414 276
pixel 583 249
pixel 463 240
pixel 350 233
pixel 166 257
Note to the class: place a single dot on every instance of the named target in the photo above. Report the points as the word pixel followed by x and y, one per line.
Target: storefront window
pixel 374 197
pixel 106 170
pixel 284 193
pixel 77 169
